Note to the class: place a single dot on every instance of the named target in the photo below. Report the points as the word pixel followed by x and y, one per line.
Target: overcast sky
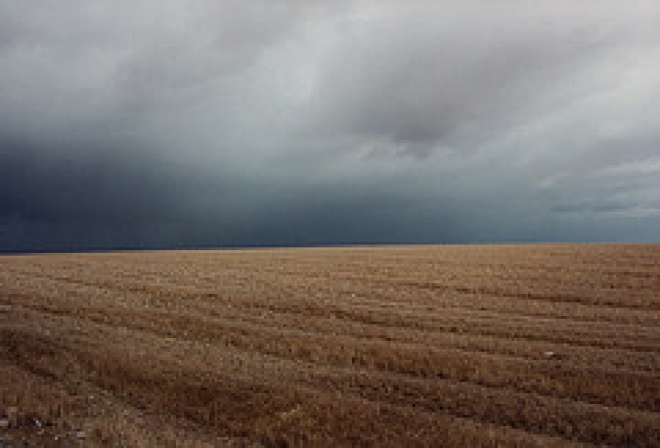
pixel 172 123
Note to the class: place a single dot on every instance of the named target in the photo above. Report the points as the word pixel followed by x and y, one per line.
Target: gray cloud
pixel 420 76
pixel 163 124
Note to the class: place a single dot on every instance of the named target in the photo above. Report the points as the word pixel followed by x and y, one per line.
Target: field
pixel 549 345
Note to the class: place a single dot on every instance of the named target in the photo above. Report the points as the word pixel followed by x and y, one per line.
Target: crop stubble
pixel 546 345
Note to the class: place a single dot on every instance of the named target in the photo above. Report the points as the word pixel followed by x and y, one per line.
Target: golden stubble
pixel 546 345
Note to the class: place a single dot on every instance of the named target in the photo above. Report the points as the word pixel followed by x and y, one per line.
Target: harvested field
pixel 552 345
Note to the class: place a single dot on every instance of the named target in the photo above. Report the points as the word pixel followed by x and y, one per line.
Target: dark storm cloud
pixel 168 124
pixel 129 202
pixel 36 187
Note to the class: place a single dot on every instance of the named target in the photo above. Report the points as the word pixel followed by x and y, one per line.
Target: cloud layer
pixel 206 123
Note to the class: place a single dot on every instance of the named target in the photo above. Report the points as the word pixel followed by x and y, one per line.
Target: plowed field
pixel 548 345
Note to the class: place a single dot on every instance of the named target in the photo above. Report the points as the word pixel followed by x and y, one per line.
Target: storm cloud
pixel 163 124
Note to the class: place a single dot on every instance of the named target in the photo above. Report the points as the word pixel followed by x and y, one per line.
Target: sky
pixel 226 123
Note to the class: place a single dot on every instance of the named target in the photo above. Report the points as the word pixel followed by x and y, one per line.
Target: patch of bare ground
pixel 553 345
